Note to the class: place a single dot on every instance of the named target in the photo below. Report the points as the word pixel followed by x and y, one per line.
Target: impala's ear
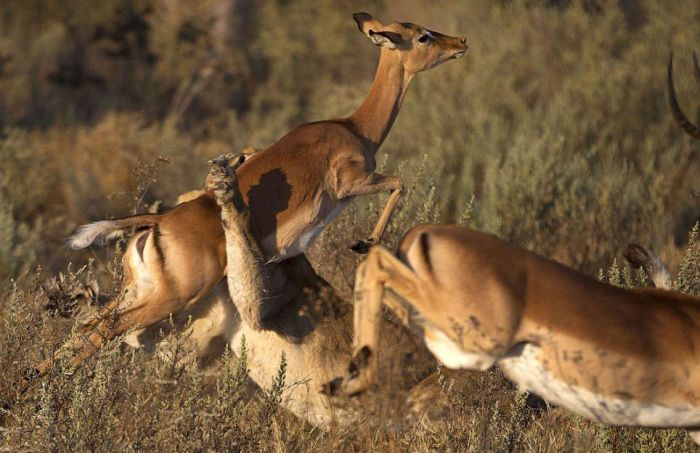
pixel 385 39
pixel 366 23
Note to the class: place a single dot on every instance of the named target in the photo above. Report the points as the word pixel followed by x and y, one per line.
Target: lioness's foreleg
pixel 258 289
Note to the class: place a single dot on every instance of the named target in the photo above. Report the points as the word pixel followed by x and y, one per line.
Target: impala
pixel 293 189
pixel 641 257
pixel 680 117
pixel 618 356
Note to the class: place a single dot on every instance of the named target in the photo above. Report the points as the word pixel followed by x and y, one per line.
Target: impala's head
pixel 418 47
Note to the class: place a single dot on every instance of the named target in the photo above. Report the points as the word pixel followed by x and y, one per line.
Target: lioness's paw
pixel 234 160
pixel 221 181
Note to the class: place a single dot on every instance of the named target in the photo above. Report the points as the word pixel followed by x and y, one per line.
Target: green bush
pixel 553 132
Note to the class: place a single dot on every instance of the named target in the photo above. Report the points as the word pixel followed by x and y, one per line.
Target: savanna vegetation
pixel 553 132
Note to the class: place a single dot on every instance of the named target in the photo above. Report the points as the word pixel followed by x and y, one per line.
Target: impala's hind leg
pixel 155 308
pixel 115 319
pixel 146 305
pixel 379 272
pixel 148 299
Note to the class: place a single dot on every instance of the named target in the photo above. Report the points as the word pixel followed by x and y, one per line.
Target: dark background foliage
pixel 553 132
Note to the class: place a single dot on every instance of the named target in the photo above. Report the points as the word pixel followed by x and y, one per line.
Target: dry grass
pixel 553 132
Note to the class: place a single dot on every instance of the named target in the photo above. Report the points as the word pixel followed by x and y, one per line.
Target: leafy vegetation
pixel 553 132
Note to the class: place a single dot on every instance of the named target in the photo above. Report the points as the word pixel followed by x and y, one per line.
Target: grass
pixel 553 132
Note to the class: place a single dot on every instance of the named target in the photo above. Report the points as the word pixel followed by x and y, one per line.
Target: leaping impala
pixel 293 189
pixel 618 356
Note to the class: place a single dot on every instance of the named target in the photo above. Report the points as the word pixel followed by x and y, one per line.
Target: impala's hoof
pixel 357 379
pixel 362 247
pixel 346 387
pixel 332 388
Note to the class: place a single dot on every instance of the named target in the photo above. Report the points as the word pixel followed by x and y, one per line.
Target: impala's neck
pixel 375 116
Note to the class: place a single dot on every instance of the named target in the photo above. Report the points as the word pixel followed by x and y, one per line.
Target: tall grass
pixel 553 132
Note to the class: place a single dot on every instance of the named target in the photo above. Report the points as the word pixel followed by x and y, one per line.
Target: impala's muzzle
pixel 461 47
pixel 455 46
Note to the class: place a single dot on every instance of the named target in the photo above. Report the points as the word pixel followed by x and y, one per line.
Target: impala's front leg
pixel 381 270
pixel 374 184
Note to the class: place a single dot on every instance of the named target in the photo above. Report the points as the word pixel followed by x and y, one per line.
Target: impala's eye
pixel 425 38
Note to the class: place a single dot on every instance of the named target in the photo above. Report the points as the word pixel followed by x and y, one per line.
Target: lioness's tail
pixel 639 256
pixel 106 230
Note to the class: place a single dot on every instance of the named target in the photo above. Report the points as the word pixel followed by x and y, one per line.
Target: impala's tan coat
pixel 620 356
